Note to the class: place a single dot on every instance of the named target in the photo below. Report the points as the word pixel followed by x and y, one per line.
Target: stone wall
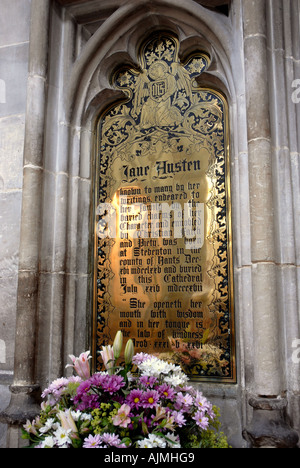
pixel 74 46
pixel 14 45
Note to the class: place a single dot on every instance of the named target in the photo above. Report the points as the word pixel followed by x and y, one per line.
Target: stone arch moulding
pixel 116 42
pixel 90 92
pixel 133 23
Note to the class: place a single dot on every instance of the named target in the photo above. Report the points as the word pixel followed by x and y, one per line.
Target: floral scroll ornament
pixel 161 100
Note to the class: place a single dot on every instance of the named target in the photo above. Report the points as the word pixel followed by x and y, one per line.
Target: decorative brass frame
pixel 158 75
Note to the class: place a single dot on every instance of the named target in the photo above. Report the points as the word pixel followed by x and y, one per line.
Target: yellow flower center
pixel 136 400
pixel 151 400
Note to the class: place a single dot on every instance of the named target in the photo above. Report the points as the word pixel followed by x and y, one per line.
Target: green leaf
pixel 25 435
pixel 145 428
pixel 127 441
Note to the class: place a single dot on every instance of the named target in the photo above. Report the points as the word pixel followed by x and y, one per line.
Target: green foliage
pixel 209 439
pixel 102 417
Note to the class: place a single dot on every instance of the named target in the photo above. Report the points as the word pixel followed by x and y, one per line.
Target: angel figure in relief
pixel 156 93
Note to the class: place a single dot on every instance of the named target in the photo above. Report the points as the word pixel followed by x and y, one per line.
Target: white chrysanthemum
pixel 157 442
pixel 155 367
pixel 62 437
pixel 145 444
pixel 76 415
pixel 153 441
pixel 176 379
pixel 48 443
pixel 174 440
pixel 48 425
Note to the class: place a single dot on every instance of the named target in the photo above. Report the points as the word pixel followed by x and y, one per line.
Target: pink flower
pixel 201 402
pixel 112 440
pixel 201 420
pixel 179 418
pixel 81 365
pixel 92 442
pixel 183 402
pixel 122 417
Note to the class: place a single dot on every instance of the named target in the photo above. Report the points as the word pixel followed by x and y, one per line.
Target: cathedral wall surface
pixel 14 45
pixel 46 148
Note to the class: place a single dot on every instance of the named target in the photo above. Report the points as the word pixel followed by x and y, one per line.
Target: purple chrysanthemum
pixel 150 398
pixel 148 381
pixel 113 383
pixel 166 391
pixel 135 398
pixel 183 402
pixel 88 402
pixel 97 380
pixel 83 389
pixel 140 358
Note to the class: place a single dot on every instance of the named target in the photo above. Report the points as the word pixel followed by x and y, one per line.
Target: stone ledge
pixel 268 404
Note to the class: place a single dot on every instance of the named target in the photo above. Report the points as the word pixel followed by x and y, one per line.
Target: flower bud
pixel 108 358
pixel 129 352
pixel 118 345
pixel 67 421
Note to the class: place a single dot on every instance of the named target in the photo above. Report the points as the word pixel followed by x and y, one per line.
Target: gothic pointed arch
pixel 118 40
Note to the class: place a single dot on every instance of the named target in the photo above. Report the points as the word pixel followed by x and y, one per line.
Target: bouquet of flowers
pixel 147 403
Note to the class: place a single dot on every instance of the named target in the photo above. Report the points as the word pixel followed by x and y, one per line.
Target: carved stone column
pixel 267 372
pixel 269 426
pixel 23 401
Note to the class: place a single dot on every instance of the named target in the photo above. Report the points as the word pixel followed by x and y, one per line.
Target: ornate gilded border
pixel 220 197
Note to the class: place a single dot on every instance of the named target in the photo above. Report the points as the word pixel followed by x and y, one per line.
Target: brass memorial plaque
pixel 163 262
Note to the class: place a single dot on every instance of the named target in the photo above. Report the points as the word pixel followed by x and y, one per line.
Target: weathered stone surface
pixel 269 428
pixel 11 152
pixel 14 34
pixel 8 287
pixel 31 218
pixel 14 70
pixel 14 22
pixel 4 401
pixel 25 405
pixel 10 211
pixel 25 342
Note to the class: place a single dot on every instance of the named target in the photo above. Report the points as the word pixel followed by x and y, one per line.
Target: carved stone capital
pixel 23 405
